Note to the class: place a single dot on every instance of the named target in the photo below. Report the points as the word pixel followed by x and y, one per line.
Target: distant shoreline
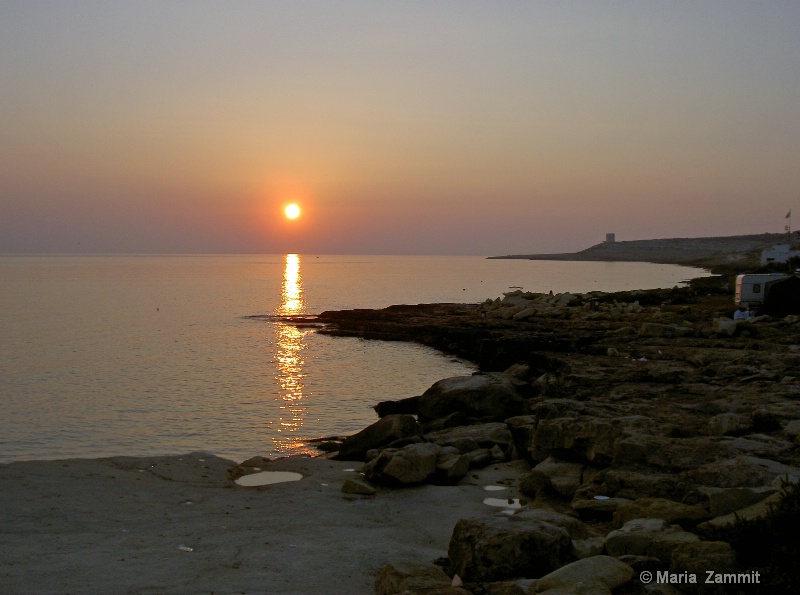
pixel 720 255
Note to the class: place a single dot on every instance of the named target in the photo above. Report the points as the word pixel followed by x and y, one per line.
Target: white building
pixel 779 253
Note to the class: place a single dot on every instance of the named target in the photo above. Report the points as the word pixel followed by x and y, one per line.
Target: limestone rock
pixel 725 326
pixel 742 471
pixel 502 547
pixel 603 572
pixel 498 454
pixel 520 371
pixel 576 528
pixel 410 465
pixel 485 435
pixel 700 556
pixel 640 563
pixel 647 537
pixel 668 453
pixel 450 468
pixel 535 484
pixel 754 511
pixel 413 578
pixel 591 440
pixel 632 484
pixel 586 548
pixel 597 507
pixel 525 313
pixel 355 486
pixel 381 433
pixel 672 512
pixel 722 501
pixel 654 329
pixel 482 396
pixel 479 458
pixel 455 419
pixel 728 424
pixel 465 445
pixel 565 477
pixel 403 406
pixel 792 430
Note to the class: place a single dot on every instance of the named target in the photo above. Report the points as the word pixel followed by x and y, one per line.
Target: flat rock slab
pixel 181 525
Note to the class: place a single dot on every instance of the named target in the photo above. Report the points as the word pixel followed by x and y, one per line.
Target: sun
pixel 292 211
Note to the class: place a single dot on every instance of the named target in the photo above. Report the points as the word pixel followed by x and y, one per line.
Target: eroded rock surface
pixel 647 411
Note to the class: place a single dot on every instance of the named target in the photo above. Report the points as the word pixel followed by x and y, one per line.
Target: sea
pixel 147 355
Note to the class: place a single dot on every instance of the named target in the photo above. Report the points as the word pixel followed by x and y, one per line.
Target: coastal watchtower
pixel 611 238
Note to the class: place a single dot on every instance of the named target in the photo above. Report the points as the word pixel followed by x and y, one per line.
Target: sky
pixel 408 127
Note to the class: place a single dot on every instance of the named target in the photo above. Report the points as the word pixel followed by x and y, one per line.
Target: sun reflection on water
pixel 289 360
pixel 292 288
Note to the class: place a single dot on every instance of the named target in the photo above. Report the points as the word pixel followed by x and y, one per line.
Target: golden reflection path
pixel 289 359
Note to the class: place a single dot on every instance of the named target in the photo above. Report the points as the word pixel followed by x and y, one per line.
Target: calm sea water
pixel 146 355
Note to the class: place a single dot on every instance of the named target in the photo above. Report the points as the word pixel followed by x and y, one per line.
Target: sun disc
pixel 292 211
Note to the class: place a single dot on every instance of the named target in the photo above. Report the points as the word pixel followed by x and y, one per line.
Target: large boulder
pixel 576 528
pixel 409 465
pixel 488 397
pixel 670 511
pixel 585 439
pixel 601 573
pixel 647 537
pixel 450 466
pixel 358 487
pixel 599 507
pixel 722 501
pixel 413 578
pixel 480 458
pixel 758 510
pixel 382 433
pixel 728 424
pixel 672 454
pixel 742 471
pixel 631 484
pixel 792 430
pixel 406 406
pixel 724 326
pixel 481 435
pixel 565 477
pixel 503 547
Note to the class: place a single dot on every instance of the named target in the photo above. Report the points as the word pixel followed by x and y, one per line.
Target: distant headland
pixel 719 254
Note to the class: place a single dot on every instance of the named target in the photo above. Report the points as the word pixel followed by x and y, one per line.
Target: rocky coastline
pixel 723 254
pixel 605 439
pixel 657 434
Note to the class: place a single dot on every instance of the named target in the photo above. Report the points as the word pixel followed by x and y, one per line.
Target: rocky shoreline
pixel 653 426
pixel 605 436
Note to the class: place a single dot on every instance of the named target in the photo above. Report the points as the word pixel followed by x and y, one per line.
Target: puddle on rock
pixel 507 503
pixel 267 478
pixel 494 488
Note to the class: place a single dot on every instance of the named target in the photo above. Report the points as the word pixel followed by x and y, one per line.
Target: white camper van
pixel 750 289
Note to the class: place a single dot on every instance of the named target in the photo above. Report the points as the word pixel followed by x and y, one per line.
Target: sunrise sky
pixel 410 127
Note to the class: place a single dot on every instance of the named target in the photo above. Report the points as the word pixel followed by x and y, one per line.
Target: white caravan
pixel 750 289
